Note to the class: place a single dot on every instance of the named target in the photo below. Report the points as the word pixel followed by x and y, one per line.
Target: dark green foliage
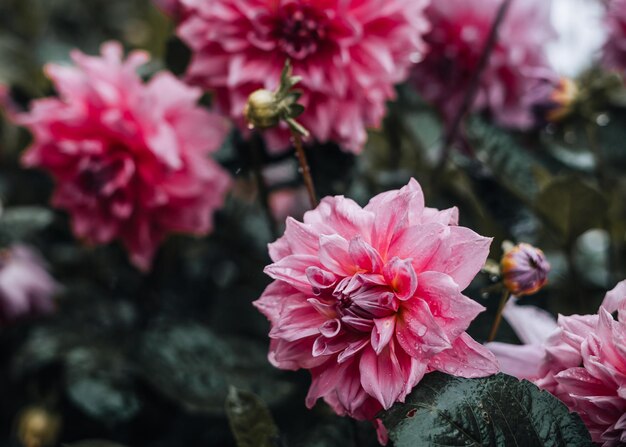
pixel 495 411
pixel 250 420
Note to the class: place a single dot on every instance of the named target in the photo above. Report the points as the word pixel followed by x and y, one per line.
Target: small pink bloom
pixel 26 288
pixel 369 299
pixel 130 159
pixel 614 51
pixel 348 53
pixel 459 32
pixel 524 269
pixel 582 362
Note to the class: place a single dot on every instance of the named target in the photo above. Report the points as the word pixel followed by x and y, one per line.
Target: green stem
pixel 474 85
pixel 496 323
pixel 304 168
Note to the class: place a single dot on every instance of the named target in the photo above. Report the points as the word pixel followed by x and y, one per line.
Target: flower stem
pixel 474 85
pixel 304 168
pixel 496 323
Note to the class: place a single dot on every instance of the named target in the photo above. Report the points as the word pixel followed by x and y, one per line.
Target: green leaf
pixel 515 167
pixel 99 383
pixel 250 420
pixel 19 223
pixel 571 206
pixel 194 367
pixel 495 411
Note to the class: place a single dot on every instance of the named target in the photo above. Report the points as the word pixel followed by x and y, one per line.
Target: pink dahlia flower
pixel 459 32
pixel 26 288
pixel 130 159
pixel 349 54
pixel 614 52
pixel 369 299
pixel 581 359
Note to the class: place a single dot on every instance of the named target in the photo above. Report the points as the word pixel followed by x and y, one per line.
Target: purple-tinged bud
pixel 524 269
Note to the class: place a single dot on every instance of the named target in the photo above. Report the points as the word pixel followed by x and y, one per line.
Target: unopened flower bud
pixel 562 100
pixel 262 109
pixel 524 269
pixel 38 427
pixel 555 99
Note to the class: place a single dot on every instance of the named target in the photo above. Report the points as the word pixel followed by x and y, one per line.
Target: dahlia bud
pixel 555 100
pixel 562 100
pixel 266 109
pixel 262 109
pixel 524 269
pixel 37 427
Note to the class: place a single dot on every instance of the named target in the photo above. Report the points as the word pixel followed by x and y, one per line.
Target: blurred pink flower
pixel 349 54
pixel 173 8
pixel 614 51
pixel 458 35
pixel 581 359
pixel 130 159
pixel 369 299
pixel 26 288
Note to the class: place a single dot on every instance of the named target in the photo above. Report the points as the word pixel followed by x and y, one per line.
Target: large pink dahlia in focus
pixel 350 53
pixel 369 299
pixel 581 359
pixel 459 32
pixel 614 51
pixel 130 159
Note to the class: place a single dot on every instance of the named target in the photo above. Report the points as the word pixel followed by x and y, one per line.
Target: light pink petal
pixel 452 310
pixel 401 277
pixel 381 375
pixel 292 270
pixel 531 324
pixel 419 243
pixel 467 358
pixel 364 256
pixel 615 298
pixel 293 355
pixel 521 361
pixel 461 255
pixel 417 330
pixel 334 254
pixel 392 213
pixel 383 332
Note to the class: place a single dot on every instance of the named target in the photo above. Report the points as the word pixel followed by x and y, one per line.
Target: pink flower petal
pixel 467 358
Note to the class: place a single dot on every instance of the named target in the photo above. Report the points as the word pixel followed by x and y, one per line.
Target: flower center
pixel 300 29
pixel 354 301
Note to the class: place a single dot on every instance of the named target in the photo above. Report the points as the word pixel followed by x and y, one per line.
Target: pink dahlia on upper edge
pixel 614 51
pixel 581 359
pixel 369 299
pixel 518 64
pixel 350 53
pixel 130 159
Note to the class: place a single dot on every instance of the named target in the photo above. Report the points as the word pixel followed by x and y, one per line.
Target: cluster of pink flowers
pixel 348 53
pixel 581 359
pixel 130 159
pixel 614 52
pixel 26 287
pixel 369 299
pixel 459 32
